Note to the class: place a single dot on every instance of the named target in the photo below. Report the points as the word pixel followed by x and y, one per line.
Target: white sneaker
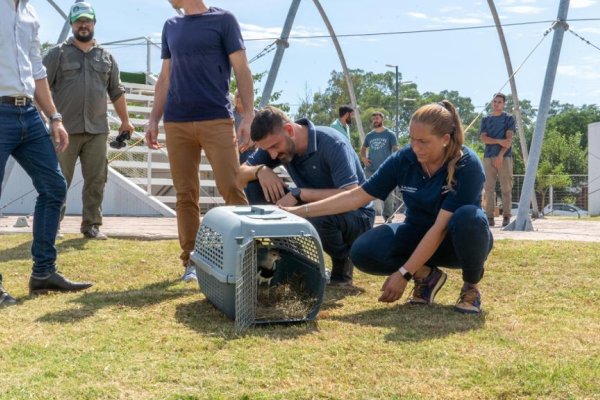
pixel 190 274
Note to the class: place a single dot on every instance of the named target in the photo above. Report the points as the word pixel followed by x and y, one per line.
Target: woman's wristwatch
pixel 405 274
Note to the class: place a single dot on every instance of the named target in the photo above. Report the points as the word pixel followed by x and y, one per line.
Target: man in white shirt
pixel 24 136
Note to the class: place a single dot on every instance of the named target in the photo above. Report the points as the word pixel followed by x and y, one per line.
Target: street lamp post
pixel 397 99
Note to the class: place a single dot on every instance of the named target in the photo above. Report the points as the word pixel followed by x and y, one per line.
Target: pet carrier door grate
pixel 260 265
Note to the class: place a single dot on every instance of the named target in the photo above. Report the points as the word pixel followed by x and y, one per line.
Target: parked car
pixel 515 208
pixel 563 209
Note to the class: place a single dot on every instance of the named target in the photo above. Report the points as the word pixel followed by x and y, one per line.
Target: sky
pixel 468 61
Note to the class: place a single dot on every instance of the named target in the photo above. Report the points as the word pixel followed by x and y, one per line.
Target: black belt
pixel 19 101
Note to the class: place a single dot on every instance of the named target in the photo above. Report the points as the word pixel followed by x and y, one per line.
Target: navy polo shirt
pixel 330 162
pixel 424 196
pixel 199 46
pixel 495 126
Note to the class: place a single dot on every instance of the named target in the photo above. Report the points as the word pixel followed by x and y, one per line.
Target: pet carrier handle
pixel 258 210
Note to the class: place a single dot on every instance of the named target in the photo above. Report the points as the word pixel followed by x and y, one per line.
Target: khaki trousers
pixel 90 148
pixel 185 141
pixel 504 175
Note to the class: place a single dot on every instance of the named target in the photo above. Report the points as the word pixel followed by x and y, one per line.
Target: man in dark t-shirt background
pixel 198 50
pixel 497 130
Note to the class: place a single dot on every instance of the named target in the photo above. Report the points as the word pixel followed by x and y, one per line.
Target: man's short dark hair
pixel 501 95
pixel 266 121
pixel 343 110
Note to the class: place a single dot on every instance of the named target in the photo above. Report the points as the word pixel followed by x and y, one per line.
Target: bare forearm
pixel 160 98
pixel 342 202
pixel 121 108
pixel 247 173
pixel 312 195
pixel 488 140
pixel 243 77
pixel 425 249
pixel 43 97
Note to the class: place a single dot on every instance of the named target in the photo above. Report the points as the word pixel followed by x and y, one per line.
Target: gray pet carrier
pixel 260 265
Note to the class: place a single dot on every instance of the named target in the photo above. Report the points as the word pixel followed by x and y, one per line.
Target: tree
pixel 570 120
pixel 465 109
pixel 375 91
pixel 550 176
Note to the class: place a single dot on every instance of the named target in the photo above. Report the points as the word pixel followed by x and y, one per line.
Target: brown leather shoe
pixel 55 283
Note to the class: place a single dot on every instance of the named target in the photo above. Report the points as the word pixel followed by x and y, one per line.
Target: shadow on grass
pixel 23 250
pixel 334 296
pixel 203 317
pixel 416 323
pixel 90 303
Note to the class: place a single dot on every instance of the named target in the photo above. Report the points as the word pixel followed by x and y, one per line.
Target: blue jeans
pixel 338 232
pixel 24 136
pixel 383 250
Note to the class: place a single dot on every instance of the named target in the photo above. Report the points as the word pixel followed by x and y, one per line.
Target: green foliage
pixel 565 140
pixel 377 91
pixel 46 46
pixel 571 121
pixel 549 175
pixel 133 77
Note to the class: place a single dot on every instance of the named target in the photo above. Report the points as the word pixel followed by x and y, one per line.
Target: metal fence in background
pixel 575 192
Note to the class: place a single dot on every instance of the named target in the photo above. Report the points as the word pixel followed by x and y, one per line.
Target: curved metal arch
pixel 282 44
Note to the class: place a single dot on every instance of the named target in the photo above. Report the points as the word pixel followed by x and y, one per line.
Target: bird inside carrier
pixel 260 265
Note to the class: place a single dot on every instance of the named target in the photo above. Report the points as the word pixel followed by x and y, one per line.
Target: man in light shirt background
pixel 24 136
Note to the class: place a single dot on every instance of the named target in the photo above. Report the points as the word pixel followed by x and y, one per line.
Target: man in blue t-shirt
pixel 380 143
pixel 198 50
pixel 321 163
pixel 497 130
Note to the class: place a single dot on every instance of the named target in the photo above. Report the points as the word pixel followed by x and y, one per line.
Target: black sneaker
pixel 5 298
pixel 491 221
pixel 505 221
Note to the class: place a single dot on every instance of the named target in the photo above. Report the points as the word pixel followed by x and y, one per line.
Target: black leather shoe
pixel 56 283
pixel 5 298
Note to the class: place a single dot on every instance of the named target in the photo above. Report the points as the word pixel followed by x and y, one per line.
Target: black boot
pixel 55 282
pixel 341 272
pixel 5 298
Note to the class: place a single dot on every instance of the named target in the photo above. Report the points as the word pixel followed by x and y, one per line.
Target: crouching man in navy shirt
pixel 321 163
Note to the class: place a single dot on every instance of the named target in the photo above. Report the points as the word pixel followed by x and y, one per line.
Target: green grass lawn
pixel 139 333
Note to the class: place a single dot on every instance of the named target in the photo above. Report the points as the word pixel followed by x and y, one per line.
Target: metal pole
pixel 351 93
pixel 148 60
pixel 282 44
pixel 515 97
pixel 149 172
pixel 523 223
pixel 397 105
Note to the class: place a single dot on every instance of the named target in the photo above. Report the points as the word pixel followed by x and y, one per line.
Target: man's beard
pixel 349 121
pixel 287 156
pixel 377 124
pixel 84 38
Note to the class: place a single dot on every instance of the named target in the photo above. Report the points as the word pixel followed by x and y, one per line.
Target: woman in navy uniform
pixel 441 181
